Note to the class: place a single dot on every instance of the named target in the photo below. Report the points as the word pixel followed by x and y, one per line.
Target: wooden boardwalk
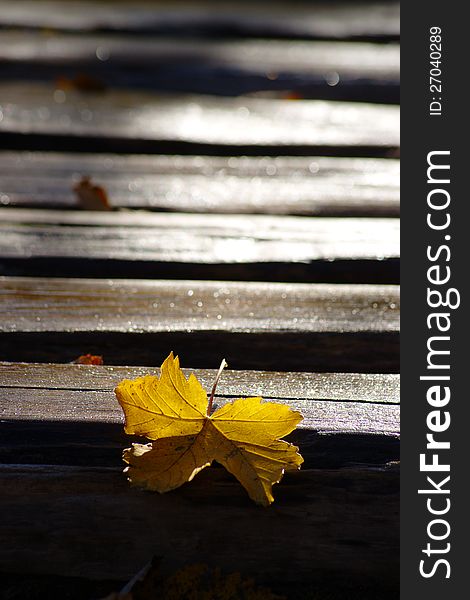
pixel 250 159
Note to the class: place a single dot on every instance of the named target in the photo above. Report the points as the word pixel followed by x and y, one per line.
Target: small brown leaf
pixel 91 196
pixel 81 82
pixel 88 359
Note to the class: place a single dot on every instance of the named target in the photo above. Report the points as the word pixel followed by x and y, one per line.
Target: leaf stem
pixel 223 364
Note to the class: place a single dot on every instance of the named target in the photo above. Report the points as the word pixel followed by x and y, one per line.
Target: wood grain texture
pixel 49 411
pixel 97 407
pixel 132 244
pixel 42 304
pixel 65 445
pixel 358 387
pixel 68 414
pixel 330 402
pixel 320 20
pixel 227 67
pixel 68 507
pixel 255 326
pixel 282 185
pixel 150 123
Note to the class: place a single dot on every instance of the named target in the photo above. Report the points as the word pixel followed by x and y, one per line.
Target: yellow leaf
pixel 243 435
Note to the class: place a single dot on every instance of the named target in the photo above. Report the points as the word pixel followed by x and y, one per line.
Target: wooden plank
pixel 282 185
pixel 101 407
pixel 254 325
pixel 86 522
pixel 140 244
pixel 49 410
pixel 47 405
pixel 360 387
pixel 321 70
pixel 66 444
pixel 320 20
pixel 67 304
pixel 34 116
pixel 378 62
pixel 56 399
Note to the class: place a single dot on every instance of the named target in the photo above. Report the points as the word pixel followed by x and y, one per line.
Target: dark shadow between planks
pixel 63 143
pixel 358 271
pixel 361 352
pixel 88 443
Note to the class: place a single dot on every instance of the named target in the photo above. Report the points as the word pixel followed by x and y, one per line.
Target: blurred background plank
pixel 335 20
pixel 178 245
pixel 227 67
pixel 281 185
pixel 34 116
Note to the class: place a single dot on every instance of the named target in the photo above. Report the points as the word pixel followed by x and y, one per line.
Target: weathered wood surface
pixel 49 411
pixel 34 116
pixel 265 326
pixel 175 245
pixel 330 402
pixel 60 455
pixel 321 70
pixel 358 387
pixel 345 525
pixel 338 20
pixel 101 407
pixel 67 305
pixel 283 185
pixel 69 508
